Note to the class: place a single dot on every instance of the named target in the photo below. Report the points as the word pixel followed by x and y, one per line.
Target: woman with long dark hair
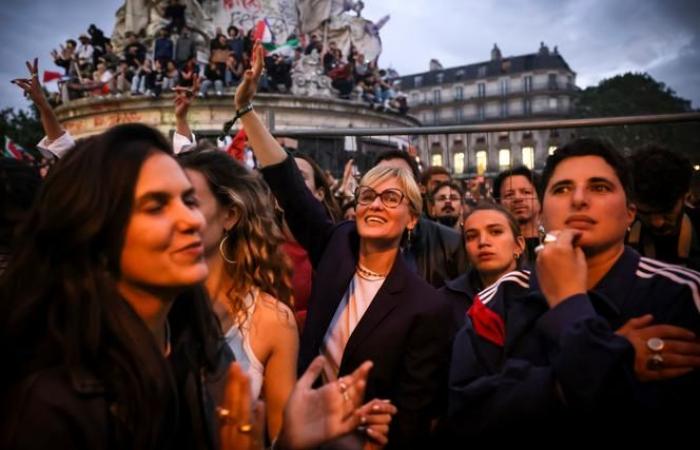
pixel 108 339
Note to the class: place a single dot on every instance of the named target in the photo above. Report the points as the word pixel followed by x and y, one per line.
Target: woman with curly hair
pixel 249 278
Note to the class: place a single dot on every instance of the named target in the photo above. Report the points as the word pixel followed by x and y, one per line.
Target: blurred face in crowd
pixel 218 218
pixel 435 180
pixel 661 222
pixel 163 241
pixel 491 246
pixel 447 206
pixel 519 196
pixel 307 172
pixel 383 212
pixel 585 194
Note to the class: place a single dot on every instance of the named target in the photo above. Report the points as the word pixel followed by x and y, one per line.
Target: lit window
pixel 503 159
pixel 528 157
pixel 436 159
pixel 552 103
pixel 481 162
pixel 459 162
pixel 551 149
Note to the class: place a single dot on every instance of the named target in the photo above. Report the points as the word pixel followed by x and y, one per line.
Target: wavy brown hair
pixel 255 242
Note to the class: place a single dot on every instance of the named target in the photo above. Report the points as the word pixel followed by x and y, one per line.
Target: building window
pixel 459 114
pixel 481 162
pixel 415 99
pixel 527 83
pixel 504 87
pixel 552 81
pixel 569 82
pixel 459 93
pixel 436 96
pixel 459 162
pixel 482 71
pixel 481 89
pixel 527 106
pixel 425 117
pixel 459 75
pixel 481 111
pixel 552 103
pixel 551 149
pixel 503 159
pixel 436 159
pixel 418 81
pixel 528 155
pixel 504 108
pixel 436 116
pixel 440 78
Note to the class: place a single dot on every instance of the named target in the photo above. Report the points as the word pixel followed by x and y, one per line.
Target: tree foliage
pixel 636 94
pixel 23 127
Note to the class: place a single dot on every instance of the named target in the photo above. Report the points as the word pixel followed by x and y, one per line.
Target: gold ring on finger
pixel 245 428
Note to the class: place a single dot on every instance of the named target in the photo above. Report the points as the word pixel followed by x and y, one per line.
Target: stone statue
pixel 308 78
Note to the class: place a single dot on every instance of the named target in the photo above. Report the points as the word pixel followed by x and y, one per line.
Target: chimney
pixel 495 53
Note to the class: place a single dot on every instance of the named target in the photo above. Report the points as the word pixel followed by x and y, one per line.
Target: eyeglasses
pixel 391 198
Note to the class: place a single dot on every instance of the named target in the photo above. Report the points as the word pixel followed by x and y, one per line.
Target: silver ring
pixel 655 361
pixel 655 344
pixel 549 238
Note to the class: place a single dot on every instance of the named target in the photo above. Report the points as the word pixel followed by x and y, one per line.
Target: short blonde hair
pixel 408 185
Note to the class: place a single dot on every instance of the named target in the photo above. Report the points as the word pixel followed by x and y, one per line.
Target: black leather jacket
pixel 435 252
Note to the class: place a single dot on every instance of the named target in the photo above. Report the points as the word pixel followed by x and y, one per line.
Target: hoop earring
pixel 516 256
pixel 223 252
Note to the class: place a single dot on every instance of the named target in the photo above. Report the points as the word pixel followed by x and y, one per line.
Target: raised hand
pixel 249 84
pixel 314 416
pixel 679 353
pixel 31 85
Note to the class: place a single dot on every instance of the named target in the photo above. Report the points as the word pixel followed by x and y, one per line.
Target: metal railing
pixel 494 127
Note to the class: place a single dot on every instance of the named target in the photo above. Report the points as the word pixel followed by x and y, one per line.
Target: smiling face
pixel 585 194
pixel 490 243
pixel 378 223
pixel 163 243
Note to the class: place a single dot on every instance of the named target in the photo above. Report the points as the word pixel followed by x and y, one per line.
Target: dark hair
pixel 661 177
pixel 19 183
pixel 431 172
pixel 400 154
pixel 255 243
pixel 60 305
pixel 455 186
pixel 490 206
pixel 519 170
pixel 321 182
pixel 588 147
pixel 72 41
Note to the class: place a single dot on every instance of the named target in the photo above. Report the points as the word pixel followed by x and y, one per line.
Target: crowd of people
pixel 154 65
pixel 138 270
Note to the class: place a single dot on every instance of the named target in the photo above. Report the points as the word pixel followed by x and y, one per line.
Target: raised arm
pixel 267 149
pixel 305 215
pixel 49 122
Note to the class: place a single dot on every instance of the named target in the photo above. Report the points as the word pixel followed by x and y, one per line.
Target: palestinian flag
pixel 263 33
pixel 286 49
pixel 12 150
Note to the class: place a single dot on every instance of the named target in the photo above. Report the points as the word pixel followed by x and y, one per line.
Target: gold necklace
pixel 368 274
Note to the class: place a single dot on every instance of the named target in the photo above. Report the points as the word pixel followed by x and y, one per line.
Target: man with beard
pixel 516 189
pixel 663 230
pixel 446 204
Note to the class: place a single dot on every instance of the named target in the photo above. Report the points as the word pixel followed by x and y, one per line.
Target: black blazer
pixel 406 331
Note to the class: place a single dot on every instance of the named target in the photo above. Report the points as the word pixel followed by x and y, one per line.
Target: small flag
pixel 12 150
pixel 237 146
pixel 263 33
pixel 50 76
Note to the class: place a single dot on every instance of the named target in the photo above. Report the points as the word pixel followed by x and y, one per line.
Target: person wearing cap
pixel 84 52
pixel 596 341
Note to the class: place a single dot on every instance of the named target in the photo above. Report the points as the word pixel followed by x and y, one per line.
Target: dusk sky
pixel 598 38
